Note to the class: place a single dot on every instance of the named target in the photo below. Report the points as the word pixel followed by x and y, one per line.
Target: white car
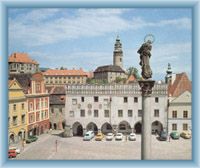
pixel 15 148
pixel 119 136
pixel 132 137
pixel 109 136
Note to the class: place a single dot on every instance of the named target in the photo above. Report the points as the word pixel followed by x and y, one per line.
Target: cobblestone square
pixel 75 148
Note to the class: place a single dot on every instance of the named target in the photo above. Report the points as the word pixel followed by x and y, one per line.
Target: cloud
pixel 48 26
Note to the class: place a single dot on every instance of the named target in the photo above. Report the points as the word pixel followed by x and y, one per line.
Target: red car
pixel 12 153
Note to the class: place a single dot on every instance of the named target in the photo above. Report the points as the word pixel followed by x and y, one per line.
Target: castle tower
pixel 168 76
pixel 118 53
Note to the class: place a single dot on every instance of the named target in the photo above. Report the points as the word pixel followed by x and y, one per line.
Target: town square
pixel 100 84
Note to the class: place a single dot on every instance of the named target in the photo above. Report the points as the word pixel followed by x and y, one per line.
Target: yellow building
pixel 17 117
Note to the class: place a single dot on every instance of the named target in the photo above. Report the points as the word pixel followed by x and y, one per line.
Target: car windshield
pixel 86 134
pixel 109 134
pixel 119 134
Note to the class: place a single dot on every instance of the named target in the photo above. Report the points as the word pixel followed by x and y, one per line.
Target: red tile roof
pixel 180 85
pixel 131 79
pixel 21 58
pixel 56 72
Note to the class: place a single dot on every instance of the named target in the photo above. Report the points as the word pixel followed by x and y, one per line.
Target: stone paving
pixel 75 148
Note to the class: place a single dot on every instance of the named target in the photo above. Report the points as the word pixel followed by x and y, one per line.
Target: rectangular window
pixel 156 113
pixel 14 107
pixel 185 127
pixel 139 113
pixel 82 113
pixel 74 101
pixel 125 99
pixel 71 113
pixel 96 98
pixel 15 120
pixel 23 119
pixel 135 99
pixel 174 127
pixel 120 113
pixel 22 106
pixel 174 114
pixel 96 113
pixel 156 99
pixel 185 114
pixel 130 113
pixel 106 113
pixel 82 99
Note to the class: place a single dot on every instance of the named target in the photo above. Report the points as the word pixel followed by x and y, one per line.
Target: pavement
pixel 74 148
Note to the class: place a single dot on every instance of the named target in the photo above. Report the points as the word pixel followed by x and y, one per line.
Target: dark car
pixel 163 136
pixel 31 139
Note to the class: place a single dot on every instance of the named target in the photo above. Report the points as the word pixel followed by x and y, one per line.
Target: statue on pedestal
pixel 145 54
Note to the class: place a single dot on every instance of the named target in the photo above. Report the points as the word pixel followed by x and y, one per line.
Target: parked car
pixel 119 136
pixel 12 153
pixel 99 137
pixel 15 148
pixel 109 136
pixel 163 136
pixel 88 136
pixel 186 134
pixel 175 135
pixel 132 137
pixel 31 139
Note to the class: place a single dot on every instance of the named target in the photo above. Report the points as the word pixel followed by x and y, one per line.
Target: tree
pixel 133 71
pixel 120 80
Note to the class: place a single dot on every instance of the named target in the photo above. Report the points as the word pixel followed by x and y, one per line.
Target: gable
pixel 185 97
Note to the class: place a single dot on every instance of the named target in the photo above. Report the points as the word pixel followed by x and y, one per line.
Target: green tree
pixel 133 71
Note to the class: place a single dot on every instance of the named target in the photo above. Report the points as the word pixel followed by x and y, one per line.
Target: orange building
pixel 62 77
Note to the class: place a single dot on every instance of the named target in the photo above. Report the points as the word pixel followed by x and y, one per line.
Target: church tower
pixel 118 53
pixel 168 76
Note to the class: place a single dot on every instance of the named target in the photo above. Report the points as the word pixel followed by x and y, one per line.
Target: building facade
pixel 109 73
pixel 62 77
pixel 57 107
pixel 113 108
pixel 38 105
pixel 22 63
pixel 17 115
pixel 180 113
pixel 180 102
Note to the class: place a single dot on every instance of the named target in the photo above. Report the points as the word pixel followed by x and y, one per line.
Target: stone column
pixel 146 89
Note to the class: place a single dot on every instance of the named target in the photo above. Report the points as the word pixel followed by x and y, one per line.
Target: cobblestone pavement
pixel 75 148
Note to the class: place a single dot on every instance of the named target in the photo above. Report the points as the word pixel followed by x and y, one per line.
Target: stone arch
pixel 93 127
pixel 12 138
pixel 77 129
pixel 156 127
pixel 124 127
pixel 106 128
pixel 138 127
pixel 55 126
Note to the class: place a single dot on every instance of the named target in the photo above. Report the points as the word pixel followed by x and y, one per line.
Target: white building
pixel 113 108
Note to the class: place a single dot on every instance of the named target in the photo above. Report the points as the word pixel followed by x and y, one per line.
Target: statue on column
pixel 145 54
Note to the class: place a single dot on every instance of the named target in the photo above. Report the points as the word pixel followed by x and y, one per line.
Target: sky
pixel 85 37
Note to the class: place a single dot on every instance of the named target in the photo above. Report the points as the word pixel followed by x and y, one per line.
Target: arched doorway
pixel 55 126
pixel 12 138
pixel 20 135
pixel 106 128
pixel 124 127
pixel 63 124
pixel 77 129
pixel 93 127
pixel 50 125
pixel 41 130
pixel 156 127
pixel 138 128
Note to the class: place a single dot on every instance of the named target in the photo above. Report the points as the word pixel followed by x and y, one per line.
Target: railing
pixel 114 89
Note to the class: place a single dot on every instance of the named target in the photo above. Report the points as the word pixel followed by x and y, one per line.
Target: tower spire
pixel 118 53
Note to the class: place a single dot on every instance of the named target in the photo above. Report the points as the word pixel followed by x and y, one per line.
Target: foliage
pixel 133 71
